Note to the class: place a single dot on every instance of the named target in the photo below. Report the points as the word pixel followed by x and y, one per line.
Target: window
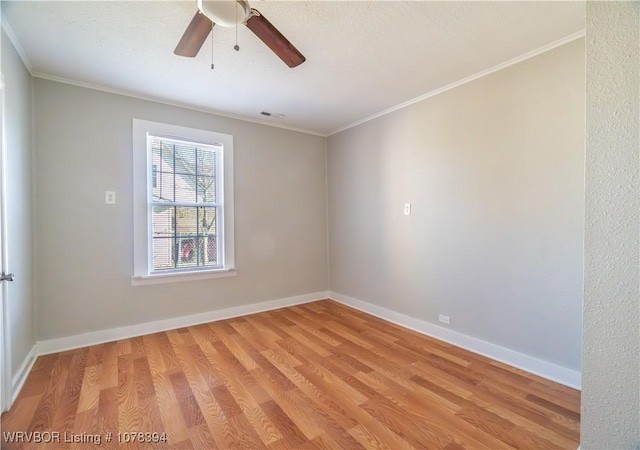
pixel 183 203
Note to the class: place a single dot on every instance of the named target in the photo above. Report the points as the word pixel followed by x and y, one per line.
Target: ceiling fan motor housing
pixel 226 13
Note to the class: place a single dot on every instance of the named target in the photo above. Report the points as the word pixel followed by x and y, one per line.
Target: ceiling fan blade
pixel 270 35
pixel 194 36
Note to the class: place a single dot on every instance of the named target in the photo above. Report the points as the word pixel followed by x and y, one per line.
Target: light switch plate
pixel 407 209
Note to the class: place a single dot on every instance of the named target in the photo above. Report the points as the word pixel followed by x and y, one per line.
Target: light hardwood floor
pixel 319 375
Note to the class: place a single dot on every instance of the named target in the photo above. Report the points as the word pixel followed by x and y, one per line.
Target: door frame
pixel 6 386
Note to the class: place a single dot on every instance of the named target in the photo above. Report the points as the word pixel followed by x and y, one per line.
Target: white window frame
pixel 143 273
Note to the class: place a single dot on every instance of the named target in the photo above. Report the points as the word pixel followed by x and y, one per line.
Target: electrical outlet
pixel 407 209
pixel 444 319
pixel 110 197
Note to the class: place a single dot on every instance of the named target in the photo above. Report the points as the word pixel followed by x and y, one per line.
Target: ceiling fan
pixel 231 13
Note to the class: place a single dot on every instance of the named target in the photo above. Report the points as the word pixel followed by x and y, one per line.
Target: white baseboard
pixel 23 372
pixel 522 361
pixel 114 334
pixel 545 369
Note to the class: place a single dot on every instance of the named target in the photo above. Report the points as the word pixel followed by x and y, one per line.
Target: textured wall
pixel 85 248
pixel 611 344
pixel 494 170
pixel 19 202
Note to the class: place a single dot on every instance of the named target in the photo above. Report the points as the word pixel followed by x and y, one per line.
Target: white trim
pixel 455 84
pixel 5 329
pixel 545 369
pixel 151 98
pixel 114 334
pixel 23 372
pixel 528 363
pixel 142 199
pixel 175 277
pixel 6 365
pixel 16 44
pixel 326 206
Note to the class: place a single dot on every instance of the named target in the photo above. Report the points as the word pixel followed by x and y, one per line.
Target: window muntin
pixel 185 205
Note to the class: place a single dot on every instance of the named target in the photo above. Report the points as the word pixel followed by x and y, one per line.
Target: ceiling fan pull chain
pixel 212 47
pixel 236 47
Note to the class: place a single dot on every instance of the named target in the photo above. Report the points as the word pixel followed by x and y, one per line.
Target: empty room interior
pixel 320 224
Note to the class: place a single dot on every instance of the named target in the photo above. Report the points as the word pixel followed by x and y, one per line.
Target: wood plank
pixel 168 405
pixel 66 412
pixel 319 375
pixel 47 407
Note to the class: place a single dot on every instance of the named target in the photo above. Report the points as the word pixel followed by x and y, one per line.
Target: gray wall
pixel 18 133
pixel 85 248
pixel 494 171
pixel 611 343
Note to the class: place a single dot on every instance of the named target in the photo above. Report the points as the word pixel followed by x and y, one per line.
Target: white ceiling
pixel 363 57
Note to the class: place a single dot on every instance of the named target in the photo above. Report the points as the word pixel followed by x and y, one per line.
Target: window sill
pixel 176 277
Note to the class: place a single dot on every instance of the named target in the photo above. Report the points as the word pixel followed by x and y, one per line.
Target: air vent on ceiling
pixel 274 115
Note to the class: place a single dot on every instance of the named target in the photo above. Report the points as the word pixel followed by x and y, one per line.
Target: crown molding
pixel 27 62
pixel 16 44
pixel 455 84
pixel 163 101
pixel 29 65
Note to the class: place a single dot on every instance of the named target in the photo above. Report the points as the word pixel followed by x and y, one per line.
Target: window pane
pixel 185 159
pixel 186 236
pixel 162 221
pixel 163 253
pixel 207 250
pixel 211 255
pixel 207 220
pixel 162 172
pixel 206 189
pixel 187 248
pixel 206 162
pixel 185 188
pixel 186 220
